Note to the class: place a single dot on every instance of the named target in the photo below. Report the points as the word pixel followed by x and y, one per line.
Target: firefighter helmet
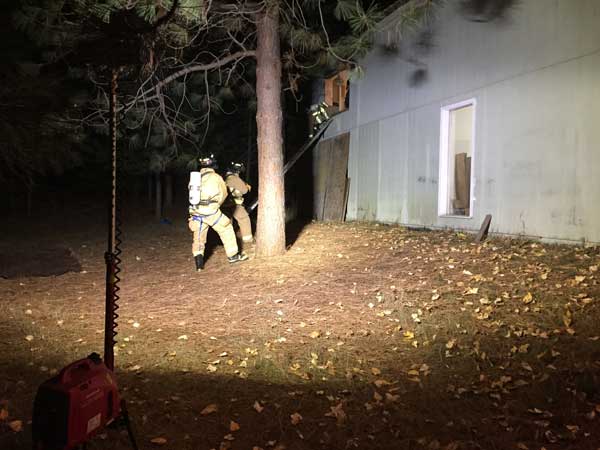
pixel 208 161
pixel 236 167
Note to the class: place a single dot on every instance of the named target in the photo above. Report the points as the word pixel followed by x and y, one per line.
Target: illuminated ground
pixel 368 337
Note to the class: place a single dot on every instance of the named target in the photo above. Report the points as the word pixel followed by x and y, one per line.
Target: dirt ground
pixel 361 336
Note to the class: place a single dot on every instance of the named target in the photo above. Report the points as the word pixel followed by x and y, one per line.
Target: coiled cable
pixel 112 255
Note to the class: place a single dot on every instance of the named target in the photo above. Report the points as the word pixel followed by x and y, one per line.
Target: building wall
pixel 536 81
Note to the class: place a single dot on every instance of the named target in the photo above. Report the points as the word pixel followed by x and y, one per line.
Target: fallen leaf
pixel 552 438
pixel 337 411
pixel 573 428
pixel 391 397
pixel 209 409
pixel 29 338
pixel 258 407
pixel 296 418
pixel 380 383
pixel 315 334
pixel 528 298
pixel 523 348
pixel 375 371
pixel 234 426
pixel 158 441
pixel 526 366
pixel 183 337
pixel 16 425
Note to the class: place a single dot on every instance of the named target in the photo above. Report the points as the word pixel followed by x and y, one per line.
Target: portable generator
pixel 83 399
pixel 74 405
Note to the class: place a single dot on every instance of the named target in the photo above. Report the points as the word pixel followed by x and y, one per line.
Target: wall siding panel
pixel 536 80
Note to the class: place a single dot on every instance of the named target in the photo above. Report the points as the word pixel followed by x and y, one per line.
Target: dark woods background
pixel 53 159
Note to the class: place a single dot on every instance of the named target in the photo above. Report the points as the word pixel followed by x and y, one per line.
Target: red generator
pixel 74 405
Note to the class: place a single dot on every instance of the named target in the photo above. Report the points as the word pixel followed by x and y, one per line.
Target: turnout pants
pixel 243 219
pixel 219 222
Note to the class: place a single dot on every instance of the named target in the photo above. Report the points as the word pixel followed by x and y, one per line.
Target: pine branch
pixel 195 68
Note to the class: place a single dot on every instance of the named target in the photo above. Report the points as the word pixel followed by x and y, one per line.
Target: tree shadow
pixel 293 230
pixel 35 261
pixel 498 11
pixel 284 410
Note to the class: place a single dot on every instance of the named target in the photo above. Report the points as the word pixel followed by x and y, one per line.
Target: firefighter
pixel 319 115
pixel 237 189
pixel 207 193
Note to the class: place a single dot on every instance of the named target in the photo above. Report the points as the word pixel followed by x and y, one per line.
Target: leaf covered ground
pixel 361 336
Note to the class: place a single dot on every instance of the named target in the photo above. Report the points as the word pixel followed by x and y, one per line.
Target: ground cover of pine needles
pixel 361 336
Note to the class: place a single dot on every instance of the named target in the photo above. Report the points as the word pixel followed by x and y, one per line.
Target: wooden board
pixel 461 182
pixel 468 175
pixel 330 178
pixel 335 194
pixel 485 227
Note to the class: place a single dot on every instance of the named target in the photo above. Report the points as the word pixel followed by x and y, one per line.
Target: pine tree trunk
pixel 250 149
pixel 11 194
pixel 137 189
pixel 158 196
pixel 149 186
pixel 270 227
pixel 29 201
pixel 168 190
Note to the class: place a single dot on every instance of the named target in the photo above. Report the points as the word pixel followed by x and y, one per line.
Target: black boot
pixel 240 256
pixel 199 262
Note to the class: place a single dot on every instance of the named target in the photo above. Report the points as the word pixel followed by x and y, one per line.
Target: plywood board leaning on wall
pixel 330 178
pixel 462 182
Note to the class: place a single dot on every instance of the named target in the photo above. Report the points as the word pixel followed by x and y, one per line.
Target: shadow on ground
pixel 167 401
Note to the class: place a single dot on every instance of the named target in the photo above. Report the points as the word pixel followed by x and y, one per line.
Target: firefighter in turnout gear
pixel 319 116
pixel 207 192
pixel 237 189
